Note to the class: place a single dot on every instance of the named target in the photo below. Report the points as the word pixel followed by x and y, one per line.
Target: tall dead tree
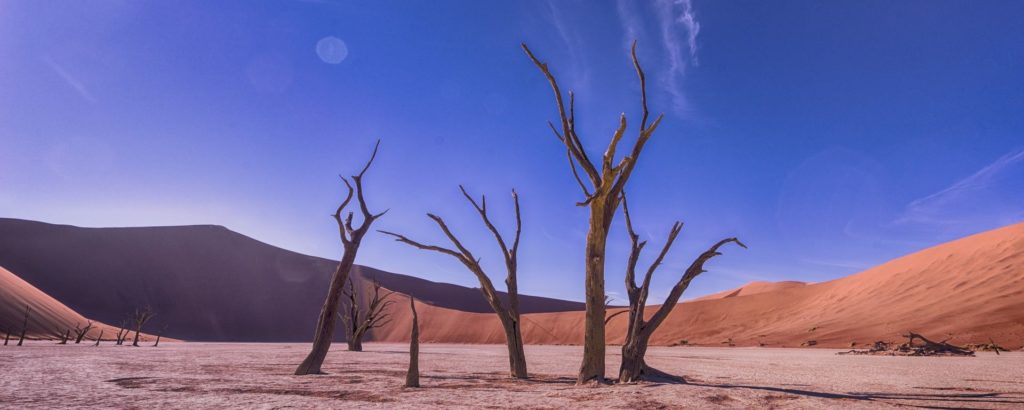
pixel 351 237
pixel 509 315
pixel 99 338
pixel 602 197
pixel 24 326
pixel 357 322
pixel 639 330
pixel 80 332
pixel 412 377
pixel 140 318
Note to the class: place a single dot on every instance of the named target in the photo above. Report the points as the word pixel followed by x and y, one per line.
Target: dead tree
pixel 351 237
pixel 509 315
pixel 122 333
pixel 639 330
pixel 602 197
pixel 99 338
pixel 24 326
pixel 64 337
pixel 159 334
pixel 357 322
pixel 81 332
pixel 140 318
pixel 7 337
pixel 412 377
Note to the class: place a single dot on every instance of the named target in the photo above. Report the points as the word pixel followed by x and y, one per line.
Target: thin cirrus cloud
pixel 677 30
pixel 71 81
pixel 993 195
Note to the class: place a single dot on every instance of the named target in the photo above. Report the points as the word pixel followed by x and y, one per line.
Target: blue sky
pixel 829 136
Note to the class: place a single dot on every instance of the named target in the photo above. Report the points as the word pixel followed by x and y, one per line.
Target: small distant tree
pixel 80 332
pixel 122 333
pixel 351 238
pixel 64 337
pixel 99 338
pixel 24 325
pixel 140 318
pixel 357 322
pixel 7 336
pixel 639 330
pixel 507 314
pixel 412 377
pixel 159 334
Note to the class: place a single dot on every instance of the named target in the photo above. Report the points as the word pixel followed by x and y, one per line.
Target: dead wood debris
pixel 925 347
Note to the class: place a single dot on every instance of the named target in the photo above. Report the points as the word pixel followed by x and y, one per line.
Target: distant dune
pixel 754 288
pixel 48 318
pixel 206 283
pixel 968 290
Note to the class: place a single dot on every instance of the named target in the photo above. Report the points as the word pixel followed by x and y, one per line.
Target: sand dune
pixel 205 282
pixel 48 317
pixel 754 288
pixel 968 290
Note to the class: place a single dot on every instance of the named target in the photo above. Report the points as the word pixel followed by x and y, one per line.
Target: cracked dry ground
pixel 215 375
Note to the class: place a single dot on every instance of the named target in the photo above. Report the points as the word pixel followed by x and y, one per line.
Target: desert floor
pixel 202 375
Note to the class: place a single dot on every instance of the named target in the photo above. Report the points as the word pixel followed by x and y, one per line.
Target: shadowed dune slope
pixel 968 290
pixel 205 282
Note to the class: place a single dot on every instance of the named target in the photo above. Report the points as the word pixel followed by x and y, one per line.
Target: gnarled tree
pixel 357 322
pixel 509 315
pixel 140 318
pixel 351 238
pixel 639 329
pixel 80 332
pixel 602 195
pixel 412 376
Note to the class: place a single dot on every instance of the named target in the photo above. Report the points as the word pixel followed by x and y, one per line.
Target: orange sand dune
pixel 48 317
pixel 754 288
pixel 968 290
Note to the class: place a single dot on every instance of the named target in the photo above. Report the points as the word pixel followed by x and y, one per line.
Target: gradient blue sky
pixel 829 136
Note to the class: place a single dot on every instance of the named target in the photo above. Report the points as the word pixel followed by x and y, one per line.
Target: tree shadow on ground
pixel 956 400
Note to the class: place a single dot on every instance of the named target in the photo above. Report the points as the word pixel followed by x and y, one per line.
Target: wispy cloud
pixel 573 44
pixel 70 79
pixel 677 30
pixel 991 192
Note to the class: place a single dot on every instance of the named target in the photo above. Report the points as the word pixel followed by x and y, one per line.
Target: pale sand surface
pixel 199 375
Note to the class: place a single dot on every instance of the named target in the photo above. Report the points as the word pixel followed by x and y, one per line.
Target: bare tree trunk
pixel 159 335
pixel 7 337
pixel 603 197
pixel 141 317
pixel 80 333
pixel 99 338
pixel 358 323
pixel 412 377
pixel 122 333
pixel 64 337
pixel 24 326
pixel 509 315
pixel 350 238
pixel 638 331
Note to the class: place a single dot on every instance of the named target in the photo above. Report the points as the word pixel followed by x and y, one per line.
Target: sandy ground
pixel 199 375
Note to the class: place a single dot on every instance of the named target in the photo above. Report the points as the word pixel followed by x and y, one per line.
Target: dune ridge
pixel 968 290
